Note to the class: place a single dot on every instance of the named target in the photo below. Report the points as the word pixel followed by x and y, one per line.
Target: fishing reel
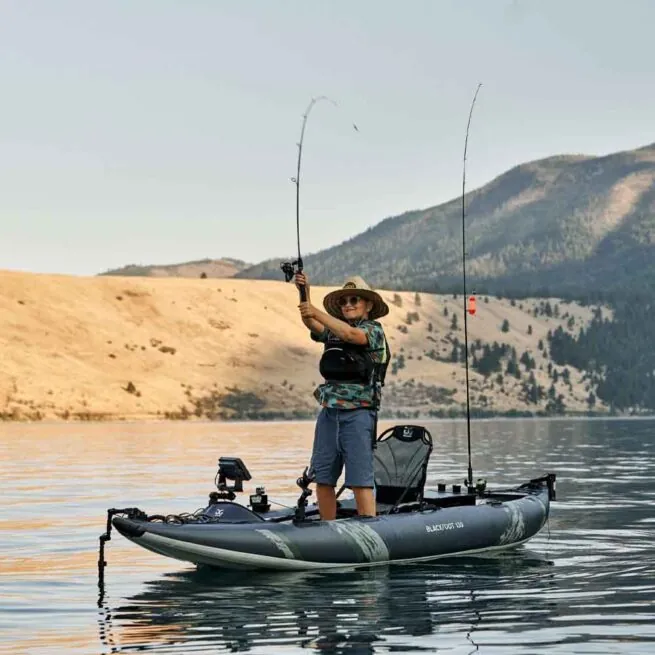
pixel 291 268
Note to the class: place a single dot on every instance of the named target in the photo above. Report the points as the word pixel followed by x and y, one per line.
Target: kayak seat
pixel 401 461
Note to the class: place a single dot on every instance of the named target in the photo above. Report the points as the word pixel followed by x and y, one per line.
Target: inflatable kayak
pixel 413 524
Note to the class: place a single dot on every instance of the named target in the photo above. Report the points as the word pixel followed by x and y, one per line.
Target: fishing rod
pixel 290 268
pixel 471 301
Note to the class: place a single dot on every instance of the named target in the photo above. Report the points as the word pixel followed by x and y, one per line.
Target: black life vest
pixel 351 363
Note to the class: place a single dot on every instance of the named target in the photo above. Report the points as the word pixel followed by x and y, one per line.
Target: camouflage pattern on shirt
pixel 343 395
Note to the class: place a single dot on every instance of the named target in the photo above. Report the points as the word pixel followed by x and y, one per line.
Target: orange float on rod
pixel 471 308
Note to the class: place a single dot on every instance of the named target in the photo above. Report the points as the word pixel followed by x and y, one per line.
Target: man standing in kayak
pixel 354 362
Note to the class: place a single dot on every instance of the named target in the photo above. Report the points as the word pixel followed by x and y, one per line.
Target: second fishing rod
pixel 469 303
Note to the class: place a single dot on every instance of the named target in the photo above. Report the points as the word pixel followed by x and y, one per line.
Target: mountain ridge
pixel 568 225
pixel 556 220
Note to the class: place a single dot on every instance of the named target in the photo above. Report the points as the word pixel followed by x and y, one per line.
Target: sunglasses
pixel 349 300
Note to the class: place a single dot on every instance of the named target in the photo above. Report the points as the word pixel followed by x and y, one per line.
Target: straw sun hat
pixel 355 286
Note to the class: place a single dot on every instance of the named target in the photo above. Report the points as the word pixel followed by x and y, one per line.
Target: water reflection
pixel 348 611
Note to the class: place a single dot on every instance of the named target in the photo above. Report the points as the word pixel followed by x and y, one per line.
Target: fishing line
pixel 471 301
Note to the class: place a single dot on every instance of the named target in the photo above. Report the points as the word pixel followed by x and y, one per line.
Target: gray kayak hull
pixel 494 522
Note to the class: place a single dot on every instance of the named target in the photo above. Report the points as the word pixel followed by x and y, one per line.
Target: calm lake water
pixel 585 584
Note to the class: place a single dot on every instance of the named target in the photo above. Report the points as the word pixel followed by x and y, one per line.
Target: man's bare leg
pixel 327 502
pixel 365 501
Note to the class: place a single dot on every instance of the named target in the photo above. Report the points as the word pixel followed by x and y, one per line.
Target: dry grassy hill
pixel 144 348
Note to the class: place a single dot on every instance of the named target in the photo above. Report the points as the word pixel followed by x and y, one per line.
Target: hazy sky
pixel 159 131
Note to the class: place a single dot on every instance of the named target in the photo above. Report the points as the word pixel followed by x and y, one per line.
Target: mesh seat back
pixel 401 461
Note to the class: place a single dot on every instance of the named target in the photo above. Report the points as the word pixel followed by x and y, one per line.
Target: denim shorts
pixel 344 436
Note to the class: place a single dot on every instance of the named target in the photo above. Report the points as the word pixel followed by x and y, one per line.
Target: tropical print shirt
pixel 343 395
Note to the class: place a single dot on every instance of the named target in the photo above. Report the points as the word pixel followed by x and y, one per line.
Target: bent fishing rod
pixel 471 301
pixel 296 266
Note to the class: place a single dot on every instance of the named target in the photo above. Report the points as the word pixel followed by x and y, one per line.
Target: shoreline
pixel 307 417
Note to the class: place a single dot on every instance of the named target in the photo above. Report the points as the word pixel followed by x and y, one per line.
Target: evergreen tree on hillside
pixel 619 354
